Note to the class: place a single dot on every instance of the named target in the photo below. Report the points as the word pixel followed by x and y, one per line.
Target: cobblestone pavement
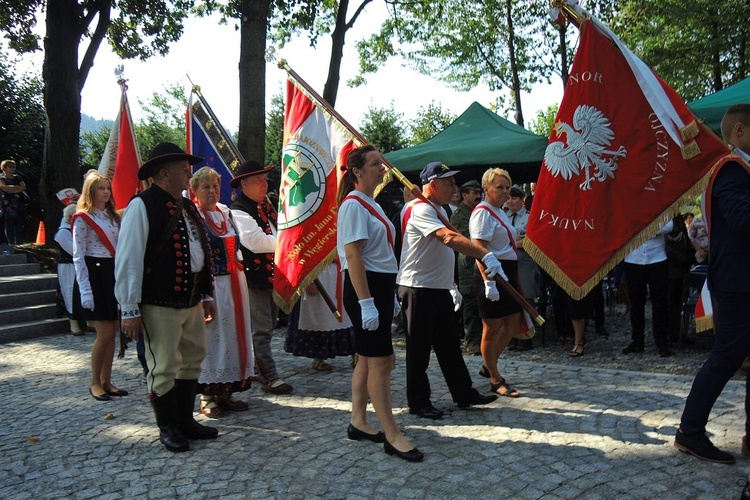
pixel 578 432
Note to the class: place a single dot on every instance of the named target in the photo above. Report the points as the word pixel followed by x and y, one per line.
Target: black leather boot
pixel 185 396
pixel 165 410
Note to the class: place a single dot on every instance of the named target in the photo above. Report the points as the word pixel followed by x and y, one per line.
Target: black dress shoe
pixel 173 439
pixel 633 347
pixel 103 397
pixel 118 392
pixel 701 448
pixel 477 399
pixel 428 412
pixel 357 435
pixel 413 455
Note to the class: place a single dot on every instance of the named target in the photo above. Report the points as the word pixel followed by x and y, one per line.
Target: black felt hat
pixel 163 153
pixel 250 167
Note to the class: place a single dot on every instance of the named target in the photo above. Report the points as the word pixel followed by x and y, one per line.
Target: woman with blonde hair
pixel 491 229
pixel 228 367
pixel 96 225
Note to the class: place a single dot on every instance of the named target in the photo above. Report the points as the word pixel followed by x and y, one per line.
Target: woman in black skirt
pixel 501 315
pixel 95 229
pixel 365 242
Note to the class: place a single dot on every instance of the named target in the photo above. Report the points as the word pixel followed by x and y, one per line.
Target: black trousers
pixel 430 324
pixel 651 279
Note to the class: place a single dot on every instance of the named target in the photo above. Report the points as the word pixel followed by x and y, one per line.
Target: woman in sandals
pixel 490 228
pixel 96 226
pixel 365 243
pixel 229 363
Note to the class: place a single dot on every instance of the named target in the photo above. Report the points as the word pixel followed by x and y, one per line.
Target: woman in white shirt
pixel 490 228
pixel 95 229
pixel 365 239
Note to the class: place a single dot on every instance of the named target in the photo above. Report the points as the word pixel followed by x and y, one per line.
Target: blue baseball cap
pixel 435 170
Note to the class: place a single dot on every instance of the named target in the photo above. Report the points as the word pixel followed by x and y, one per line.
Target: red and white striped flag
pixel 121 158
pixel 704 311
pixel 315 145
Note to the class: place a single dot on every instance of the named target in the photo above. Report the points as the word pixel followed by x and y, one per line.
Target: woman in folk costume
pixel 228 365
pixel 95 229
pixel 490 228
pixel 314 331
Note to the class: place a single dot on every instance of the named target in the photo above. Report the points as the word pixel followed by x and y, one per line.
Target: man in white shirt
pixel 646 267
pixel 429 295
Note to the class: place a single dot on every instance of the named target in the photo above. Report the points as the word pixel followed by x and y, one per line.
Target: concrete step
pixel 29 283
pixel 23 299
pixel 14 258
pixel 26 314
pixel 19 269
pixel 33 329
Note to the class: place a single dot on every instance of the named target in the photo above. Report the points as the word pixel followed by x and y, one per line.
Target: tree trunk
pixel 331 88
pixel 564 69
pixel 252 66
pixel 513 64
pixel 62 101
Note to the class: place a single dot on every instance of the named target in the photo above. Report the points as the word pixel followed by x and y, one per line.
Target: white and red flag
pixel 316 145
pixel 121 158
pixel 624 155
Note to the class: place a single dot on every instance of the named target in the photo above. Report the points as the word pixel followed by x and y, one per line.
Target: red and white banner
pixel 315 147
pixel 624 155
pixel 121 158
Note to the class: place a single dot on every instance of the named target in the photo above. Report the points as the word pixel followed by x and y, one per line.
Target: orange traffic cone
pixel 41 234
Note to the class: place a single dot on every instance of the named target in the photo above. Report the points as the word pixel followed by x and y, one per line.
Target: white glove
pixel 493 266
pixel 396 306
pixel 87 300
pixel 490 291
pixel 457 298
pixel 369 314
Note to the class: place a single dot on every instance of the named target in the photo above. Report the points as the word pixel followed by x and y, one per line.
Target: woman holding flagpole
pixel 229 363
pixel 491 229
pixel 365 240
pixel 96 226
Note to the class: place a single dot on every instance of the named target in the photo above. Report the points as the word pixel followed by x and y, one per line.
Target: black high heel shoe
pixel 413 455
pixel 103 397
pixel 357 435
pixel 484 372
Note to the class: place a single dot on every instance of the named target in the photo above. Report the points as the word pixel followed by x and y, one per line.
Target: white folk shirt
pixel 425 261
pixel 86 243
pixel 131 250
pixel 483 226
pixel 356 223
pixel 653 250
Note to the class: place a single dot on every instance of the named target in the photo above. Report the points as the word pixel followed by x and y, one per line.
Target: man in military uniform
pixel 471 195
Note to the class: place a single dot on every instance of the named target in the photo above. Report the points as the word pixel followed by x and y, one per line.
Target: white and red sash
pixel 97 229
pixel 375 214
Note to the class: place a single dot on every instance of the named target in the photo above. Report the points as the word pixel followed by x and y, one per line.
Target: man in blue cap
pixel 429 296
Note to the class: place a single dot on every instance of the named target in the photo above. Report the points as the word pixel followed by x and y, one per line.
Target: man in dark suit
pixel 728 217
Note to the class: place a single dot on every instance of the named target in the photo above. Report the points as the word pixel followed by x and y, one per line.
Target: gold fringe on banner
pixel 387 179
pixel 287 306
pixel 704 324
pixel 690 150
pixel 689 131
pixel 578 292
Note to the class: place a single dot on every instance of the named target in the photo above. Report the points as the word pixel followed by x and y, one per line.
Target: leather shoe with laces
pixel 428 412
pixel 476 399
pixel 701 448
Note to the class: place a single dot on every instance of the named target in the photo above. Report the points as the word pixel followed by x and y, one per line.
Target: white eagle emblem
pixel 586 147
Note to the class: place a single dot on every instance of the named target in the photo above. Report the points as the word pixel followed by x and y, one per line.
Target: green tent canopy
pixel 712 107
pixel 477 140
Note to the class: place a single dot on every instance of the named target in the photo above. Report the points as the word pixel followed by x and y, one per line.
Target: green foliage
pixel 275 130
pixel 544 121
pixel 697 48
pixel 93 143
pixel 22 121
pixel 383 129
pixel 429 122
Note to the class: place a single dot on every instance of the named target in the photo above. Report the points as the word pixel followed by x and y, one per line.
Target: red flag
pixel 121 158
pixel 625 154
pixel 315 146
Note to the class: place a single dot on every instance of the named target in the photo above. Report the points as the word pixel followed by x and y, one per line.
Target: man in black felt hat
pixel 164 287
pixel 255 219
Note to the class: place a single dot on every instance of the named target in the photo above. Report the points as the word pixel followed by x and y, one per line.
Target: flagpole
pixel 507 287
pixel 197 91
